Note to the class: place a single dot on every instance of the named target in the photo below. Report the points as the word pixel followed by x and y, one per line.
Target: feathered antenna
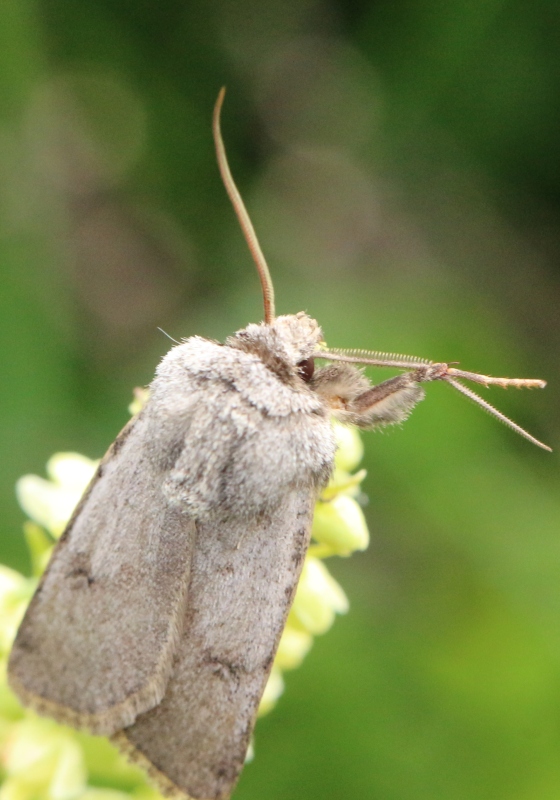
pixel 373 358
pixel 431 371
pixel 242 215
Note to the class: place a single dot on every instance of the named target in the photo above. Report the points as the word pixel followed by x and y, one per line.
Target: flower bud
pixel 73 471
pixel 15 593
pixel 272 691
pixel 141 395
pixel 350 449
pixel 50 503
pixel 42 759
pixel 340 524
pixel 318 598
pixel 294 646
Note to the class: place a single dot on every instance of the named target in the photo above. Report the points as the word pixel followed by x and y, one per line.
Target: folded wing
pixel 96 646
pixel 242 584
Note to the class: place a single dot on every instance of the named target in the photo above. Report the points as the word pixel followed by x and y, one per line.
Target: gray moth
pixel 157 620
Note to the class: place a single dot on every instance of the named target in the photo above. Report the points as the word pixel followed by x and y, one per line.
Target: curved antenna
pixel 242 215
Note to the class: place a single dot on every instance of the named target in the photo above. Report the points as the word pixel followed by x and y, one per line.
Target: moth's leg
pixel 353 400
pixel 392 400
pixel 384 404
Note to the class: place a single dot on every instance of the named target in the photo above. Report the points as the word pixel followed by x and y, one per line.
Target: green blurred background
pixel 401 163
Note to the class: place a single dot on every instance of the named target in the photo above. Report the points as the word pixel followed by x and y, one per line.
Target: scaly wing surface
pixel 242 584
pixel 97 642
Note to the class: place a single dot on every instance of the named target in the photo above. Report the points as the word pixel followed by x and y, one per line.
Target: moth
pixel 157 620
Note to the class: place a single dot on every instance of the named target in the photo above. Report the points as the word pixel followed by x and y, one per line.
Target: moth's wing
pixel 95 647
pixel 242 584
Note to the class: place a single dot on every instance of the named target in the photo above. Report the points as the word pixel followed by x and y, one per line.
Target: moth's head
pixel 290 339
pixel 297 334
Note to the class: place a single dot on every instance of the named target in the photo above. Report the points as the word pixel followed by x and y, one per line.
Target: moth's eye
pixel 306 368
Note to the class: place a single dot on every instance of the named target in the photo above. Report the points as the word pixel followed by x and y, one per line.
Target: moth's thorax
pixel 259 363
pixel 252 434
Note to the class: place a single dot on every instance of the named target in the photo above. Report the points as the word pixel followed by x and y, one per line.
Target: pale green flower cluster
pixel 41 760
